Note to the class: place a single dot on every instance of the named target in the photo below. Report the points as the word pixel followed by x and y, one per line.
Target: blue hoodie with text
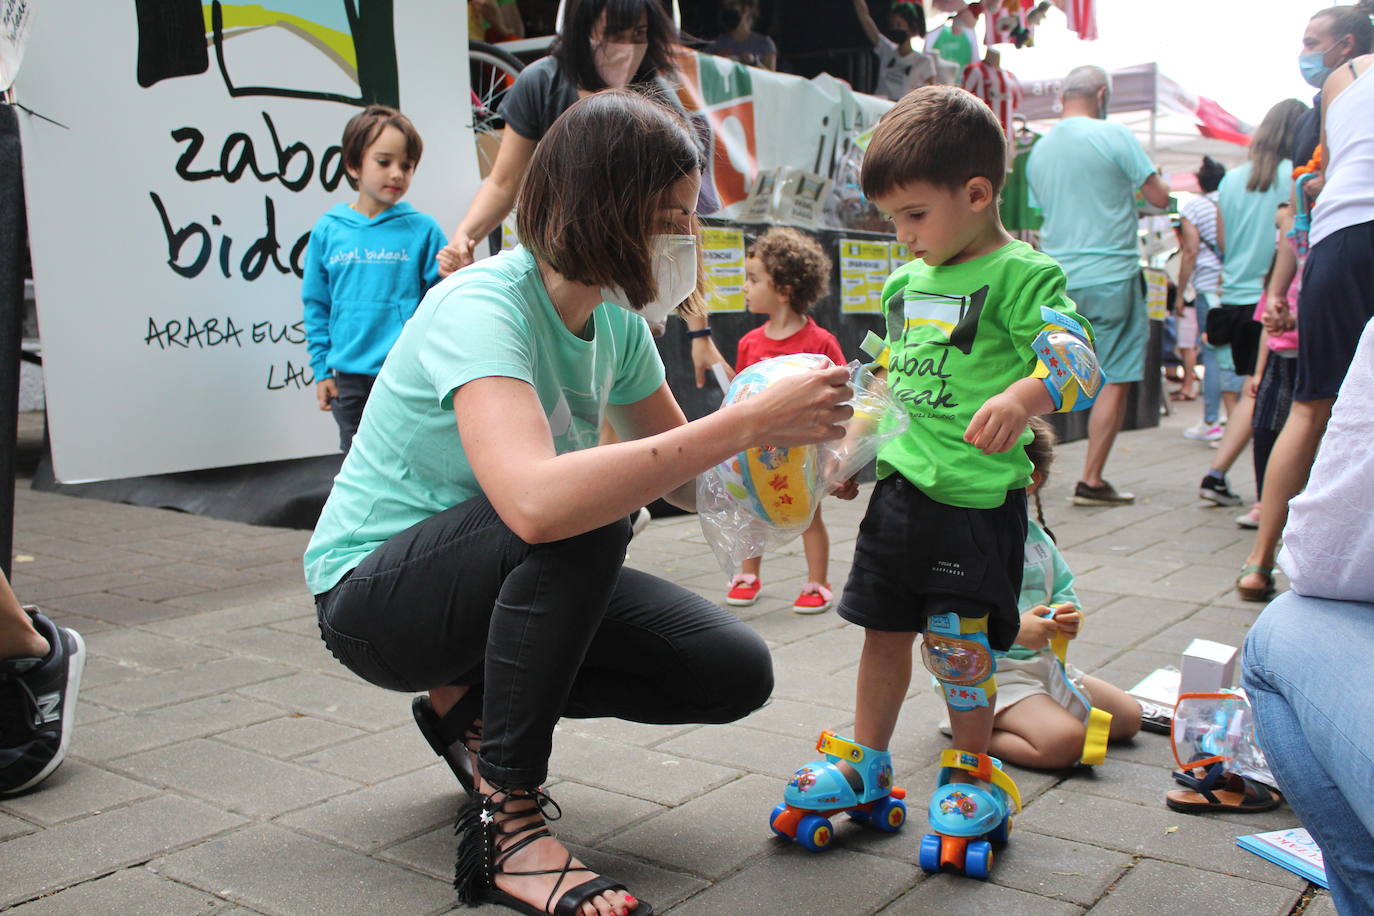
pixel 363 280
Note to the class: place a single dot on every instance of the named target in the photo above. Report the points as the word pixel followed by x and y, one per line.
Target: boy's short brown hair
pixel 796 263
pixel 939 135
pixel 589 204
pixel 363 129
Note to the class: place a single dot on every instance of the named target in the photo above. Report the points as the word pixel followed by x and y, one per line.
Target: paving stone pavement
pixel 224 763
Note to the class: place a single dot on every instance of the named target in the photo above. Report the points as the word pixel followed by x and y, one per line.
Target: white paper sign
pixel 16 18
pixel 168 220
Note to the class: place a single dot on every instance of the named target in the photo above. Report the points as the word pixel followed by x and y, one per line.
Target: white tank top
pixel 1348 197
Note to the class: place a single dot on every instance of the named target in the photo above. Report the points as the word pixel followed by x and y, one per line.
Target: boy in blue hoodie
pixel 368 265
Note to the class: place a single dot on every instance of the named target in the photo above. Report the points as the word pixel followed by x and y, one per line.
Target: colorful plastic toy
pixel 778 485
pixel 821 790
pixel 968 818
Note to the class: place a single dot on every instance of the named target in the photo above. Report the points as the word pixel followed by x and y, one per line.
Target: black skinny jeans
pixel 547 630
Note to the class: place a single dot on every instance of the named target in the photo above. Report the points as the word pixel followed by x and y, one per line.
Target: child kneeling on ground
pixel 1040 722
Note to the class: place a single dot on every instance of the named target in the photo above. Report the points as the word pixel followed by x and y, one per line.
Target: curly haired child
pixel 785 272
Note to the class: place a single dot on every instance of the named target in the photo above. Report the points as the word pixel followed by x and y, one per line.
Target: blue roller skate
pixel 821 789
pixel 967 817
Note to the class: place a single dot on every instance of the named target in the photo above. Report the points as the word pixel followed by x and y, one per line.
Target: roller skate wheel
pixel 928 856
pixel 978 861
pixel 814 833
pixel 1001 834
pixel 773 821
pixel 889 815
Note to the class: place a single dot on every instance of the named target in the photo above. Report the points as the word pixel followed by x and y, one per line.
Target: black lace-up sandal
pixel 455 735
pixel 485 844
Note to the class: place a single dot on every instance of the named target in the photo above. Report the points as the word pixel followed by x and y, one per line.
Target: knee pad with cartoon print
pixel 955 649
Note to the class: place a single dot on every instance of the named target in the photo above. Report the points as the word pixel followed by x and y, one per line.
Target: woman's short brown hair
pixel 796 263
pixel 363 129
pixel 593 189
pixel 939 135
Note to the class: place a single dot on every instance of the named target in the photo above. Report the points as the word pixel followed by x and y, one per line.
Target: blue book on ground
pixel 1293 848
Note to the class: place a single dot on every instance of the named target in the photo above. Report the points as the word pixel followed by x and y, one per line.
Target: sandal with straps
pixel 485 845
pixel 455 728
pixel 1218 790
pixel 1249 592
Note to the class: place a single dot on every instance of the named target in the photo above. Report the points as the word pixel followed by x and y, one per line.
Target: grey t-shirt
pixel 752 50
pixel 541 93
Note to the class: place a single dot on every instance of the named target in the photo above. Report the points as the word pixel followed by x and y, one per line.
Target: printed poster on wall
pixel 864 267
pixel 169 214
pixel 723 254
pixel 1156 294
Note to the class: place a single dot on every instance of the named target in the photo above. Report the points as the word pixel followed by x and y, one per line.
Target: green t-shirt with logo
pixel 957 335
pixel 493 318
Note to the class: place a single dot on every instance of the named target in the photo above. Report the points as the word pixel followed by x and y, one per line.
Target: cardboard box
pixel 1207 667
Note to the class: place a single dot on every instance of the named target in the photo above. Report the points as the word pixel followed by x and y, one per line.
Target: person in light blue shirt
pixel 1084 174
pixel 473 546
pixel 367 265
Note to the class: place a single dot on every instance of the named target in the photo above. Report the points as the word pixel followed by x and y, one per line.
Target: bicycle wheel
pixel 491 73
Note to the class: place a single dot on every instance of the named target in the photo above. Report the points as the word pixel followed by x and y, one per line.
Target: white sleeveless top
pixel 1348 197
pixel 1329 540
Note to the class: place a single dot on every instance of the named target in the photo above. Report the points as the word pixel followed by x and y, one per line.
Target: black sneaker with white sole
pixel 1104 494
pixel 1216 490
pixel 38 706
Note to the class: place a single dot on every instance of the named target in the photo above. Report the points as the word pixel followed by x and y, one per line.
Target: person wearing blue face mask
pixel 1333 36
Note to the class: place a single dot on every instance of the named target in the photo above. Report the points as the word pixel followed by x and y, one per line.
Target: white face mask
pixel 675 275
pixel 617 63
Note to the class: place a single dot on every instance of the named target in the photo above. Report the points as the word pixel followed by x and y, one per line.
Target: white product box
pixel 1208 667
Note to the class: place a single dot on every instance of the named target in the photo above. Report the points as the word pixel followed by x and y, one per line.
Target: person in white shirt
pixel 901 68
pixel 1314 710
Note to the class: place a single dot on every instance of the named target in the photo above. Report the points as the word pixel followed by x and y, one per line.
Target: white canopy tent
pixel 1175 125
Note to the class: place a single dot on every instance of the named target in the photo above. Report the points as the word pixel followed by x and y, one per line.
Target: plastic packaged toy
pixel 764 497
pixel 821 789
pixel 968 818
pixel 1218 728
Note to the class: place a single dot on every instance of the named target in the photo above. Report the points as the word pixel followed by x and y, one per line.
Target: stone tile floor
pixel 223 762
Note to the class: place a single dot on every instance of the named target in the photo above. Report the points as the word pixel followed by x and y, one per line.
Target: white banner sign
pixel 169 216
pixel 16 17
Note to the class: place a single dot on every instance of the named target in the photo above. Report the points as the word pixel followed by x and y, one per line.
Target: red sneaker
pixel 815 598
pixel 744 590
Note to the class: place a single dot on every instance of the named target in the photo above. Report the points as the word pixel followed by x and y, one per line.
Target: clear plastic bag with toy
pixel 764 497
pixel 1213 728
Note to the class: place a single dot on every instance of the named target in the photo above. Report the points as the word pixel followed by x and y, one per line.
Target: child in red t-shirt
pixel 785 273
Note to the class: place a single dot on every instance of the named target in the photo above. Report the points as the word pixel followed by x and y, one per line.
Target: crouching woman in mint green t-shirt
pixel 473 545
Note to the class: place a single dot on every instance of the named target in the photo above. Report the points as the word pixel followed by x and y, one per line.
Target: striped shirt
pixel 997 87
pixel 1202 213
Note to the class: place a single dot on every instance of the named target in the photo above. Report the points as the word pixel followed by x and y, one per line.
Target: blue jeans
pixel 1218 372
pixel 1306 671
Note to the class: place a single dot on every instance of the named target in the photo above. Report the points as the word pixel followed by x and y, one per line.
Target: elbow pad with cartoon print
pixel 1066 362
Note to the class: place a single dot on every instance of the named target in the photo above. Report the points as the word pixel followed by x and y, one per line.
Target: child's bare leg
pixel 752 566
pixel 1038 733
pixel 1123 707
pixel 816 543
pixel 884 676
pixel 972 730
pixel 18 638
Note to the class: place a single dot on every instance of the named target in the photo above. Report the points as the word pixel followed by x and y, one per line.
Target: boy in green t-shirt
pixel 980 337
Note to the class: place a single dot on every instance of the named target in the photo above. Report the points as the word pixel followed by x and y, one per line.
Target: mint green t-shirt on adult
pixel 1083 176
pixel 1250 235
pixel 493 318
pixel 957 335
